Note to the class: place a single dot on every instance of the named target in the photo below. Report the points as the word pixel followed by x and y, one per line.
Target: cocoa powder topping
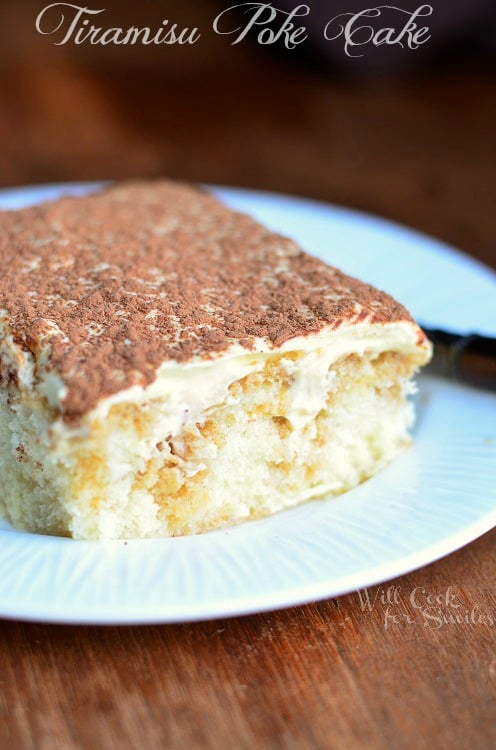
pixel 122 280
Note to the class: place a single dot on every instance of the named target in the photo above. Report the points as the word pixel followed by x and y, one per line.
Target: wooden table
pixel 332 675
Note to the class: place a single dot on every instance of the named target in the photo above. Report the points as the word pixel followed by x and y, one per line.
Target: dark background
pixel 406 134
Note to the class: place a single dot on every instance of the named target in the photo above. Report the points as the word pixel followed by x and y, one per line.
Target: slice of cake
pixel 170 366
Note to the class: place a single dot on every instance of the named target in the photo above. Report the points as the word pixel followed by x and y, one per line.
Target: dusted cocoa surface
pixel 122 280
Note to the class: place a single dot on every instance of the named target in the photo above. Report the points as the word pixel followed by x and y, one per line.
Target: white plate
pixel 435 498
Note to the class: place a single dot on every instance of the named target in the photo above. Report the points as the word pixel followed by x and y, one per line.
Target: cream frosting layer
pixel 190 389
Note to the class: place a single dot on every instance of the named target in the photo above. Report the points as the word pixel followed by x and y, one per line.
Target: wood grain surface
pixel 348 673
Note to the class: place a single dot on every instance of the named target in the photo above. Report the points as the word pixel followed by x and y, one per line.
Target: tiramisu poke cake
pixel 170 366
